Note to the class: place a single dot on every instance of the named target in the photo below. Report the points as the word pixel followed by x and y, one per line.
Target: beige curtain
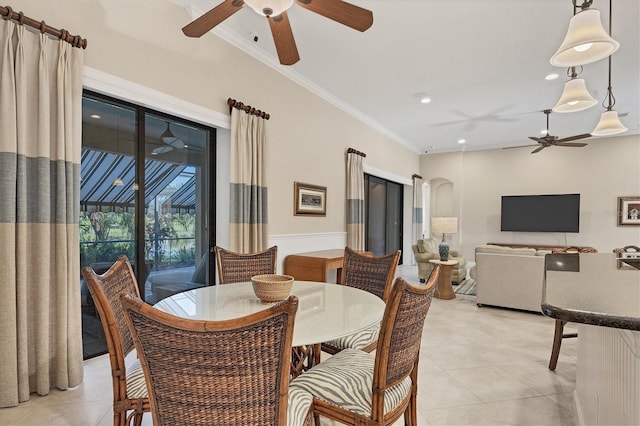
pixel 40 141
pixel 248 217
pixel 417 209
pixel 355 201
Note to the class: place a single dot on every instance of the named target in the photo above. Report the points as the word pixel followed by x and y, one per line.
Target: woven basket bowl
pixel 272 287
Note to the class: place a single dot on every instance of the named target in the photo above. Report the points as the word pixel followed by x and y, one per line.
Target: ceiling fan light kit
pixel 575 97
pixel 269 7
pixel 586 40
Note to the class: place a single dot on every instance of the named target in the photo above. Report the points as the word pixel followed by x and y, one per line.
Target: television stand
pixel 534 246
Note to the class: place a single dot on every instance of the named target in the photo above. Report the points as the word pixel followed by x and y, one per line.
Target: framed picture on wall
pixel 628 211
pixel 309 200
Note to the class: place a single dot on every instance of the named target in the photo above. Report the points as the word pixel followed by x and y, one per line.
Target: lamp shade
pixel 575 97
pixel 444 225
pixel 269 7
pixel 609 124
pixel 586 41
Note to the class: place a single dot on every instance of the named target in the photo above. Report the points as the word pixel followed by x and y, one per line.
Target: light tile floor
pixel 478 366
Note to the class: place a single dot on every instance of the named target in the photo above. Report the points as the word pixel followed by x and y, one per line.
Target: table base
pixel 303 358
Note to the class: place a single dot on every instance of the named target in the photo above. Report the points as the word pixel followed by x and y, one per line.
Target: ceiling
pixel 482 62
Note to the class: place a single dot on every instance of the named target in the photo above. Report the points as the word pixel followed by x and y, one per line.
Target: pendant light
pixel 609 123
pixel 575 96
pixel 586 40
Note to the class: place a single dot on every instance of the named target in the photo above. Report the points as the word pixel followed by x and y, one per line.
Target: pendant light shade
pixel 117 182
pixel 609 124
pixel 586 41
pixel 575 97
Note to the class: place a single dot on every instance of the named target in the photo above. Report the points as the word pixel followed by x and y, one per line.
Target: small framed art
pixel 309 200
pixel 628 211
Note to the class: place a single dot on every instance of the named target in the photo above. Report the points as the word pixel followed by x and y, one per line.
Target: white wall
pixel 601 172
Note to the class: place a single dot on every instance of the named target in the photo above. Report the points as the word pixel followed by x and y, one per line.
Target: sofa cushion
pixel 428 245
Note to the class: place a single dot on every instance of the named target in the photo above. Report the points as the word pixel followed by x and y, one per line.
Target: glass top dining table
pixel 326 311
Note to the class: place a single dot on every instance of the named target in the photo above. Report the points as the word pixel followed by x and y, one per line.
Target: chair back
pixel 231 372
pixel 401 332
pixel 106 290
pixel 237 267
pixel 574 249
pixel 370 273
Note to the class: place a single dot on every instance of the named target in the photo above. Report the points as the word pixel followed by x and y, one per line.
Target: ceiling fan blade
pixel 578 144
pixel 538 149
pixel 206 22
pixel 539 140
pixel 283 38
pixel 345 13
pixel 574 138
pixel 519 146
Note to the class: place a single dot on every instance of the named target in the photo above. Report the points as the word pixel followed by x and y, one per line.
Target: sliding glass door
pixel 146 191
pixel 383 212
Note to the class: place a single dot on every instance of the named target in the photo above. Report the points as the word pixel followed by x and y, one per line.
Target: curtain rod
pixel 416 176
pixel 75 40
pixel 247 108
pixel 355 151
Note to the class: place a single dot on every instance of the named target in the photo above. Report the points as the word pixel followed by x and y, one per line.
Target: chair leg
pixel 557 342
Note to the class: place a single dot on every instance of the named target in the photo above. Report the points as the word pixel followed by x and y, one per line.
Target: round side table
pixel 444 289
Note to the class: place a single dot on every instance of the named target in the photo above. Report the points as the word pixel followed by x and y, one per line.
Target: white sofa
pixel 509 277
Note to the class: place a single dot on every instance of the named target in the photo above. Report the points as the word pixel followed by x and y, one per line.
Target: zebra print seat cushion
pixel 359 340
pixel 136 386
pixel 299 406
pixel 345 380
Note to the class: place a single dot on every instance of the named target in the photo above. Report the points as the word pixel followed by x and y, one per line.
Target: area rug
pixel 468 287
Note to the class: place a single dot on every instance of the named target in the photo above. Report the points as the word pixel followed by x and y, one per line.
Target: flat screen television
pixel 540 213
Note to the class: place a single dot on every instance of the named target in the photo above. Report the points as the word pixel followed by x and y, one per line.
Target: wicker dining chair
pixel 130 398
pixel 558 333
pixel 237 267
pixel 370 273
pixel 195 379
pixel 360 388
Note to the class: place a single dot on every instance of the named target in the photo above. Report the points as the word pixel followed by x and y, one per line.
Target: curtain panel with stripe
pixel 248 217
pixel 40 142
pixel 417 209
pixel 355 202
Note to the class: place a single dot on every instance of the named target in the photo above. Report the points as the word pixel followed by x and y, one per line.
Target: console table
pixel 314 265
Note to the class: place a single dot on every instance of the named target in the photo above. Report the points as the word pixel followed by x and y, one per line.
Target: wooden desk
pixel 444 290
pixel 314 265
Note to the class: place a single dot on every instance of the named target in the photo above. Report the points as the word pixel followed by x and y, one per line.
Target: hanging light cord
pixel 609 100
pixel 585 4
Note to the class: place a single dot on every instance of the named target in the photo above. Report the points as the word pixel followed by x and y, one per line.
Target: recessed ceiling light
pixel 551 76
pixel 96 116
pixel 461 141
pixel 425 100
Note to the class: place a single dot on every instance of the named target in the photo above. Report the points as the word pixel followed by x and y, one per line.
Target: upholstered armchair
pixel 426 250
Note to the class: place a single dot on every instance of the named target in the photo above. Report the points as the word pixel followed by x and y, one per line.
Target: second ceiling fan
pixel 276 12
pixel 548 140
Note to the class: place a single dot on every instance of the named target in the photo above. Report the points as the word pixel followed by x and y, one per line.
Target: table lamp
pixel 444 225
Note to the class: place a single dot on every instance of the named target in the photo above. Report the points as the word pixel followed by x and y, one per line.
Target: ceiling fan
pixel 548 140
pixel 170 142
pixel 276 12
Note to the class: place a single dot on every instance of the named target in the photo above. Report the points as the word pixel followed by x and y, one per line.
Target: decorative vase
pixel 443 249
